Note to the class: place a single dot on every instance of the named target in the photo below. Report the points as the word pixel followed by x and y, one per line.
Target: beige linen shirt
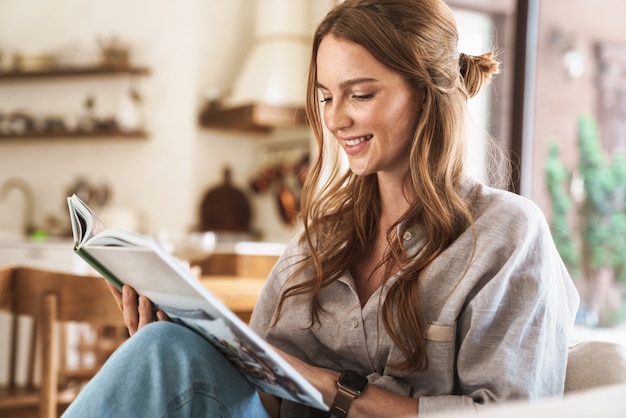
pixel 497 329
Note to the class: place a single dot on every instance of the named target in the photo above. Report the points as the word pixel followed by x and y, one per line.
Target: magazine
pixel 126 257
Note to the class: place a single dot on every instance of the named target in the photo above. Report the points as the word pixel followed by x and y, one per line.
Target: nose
pixel 336 116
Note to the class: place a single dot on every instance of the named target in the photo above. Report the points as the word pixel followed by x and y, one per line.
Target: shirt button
pixel 407 235
pixel 355 322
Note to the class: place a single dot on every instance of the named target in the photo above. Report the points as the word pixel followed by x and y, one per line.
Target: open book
pixel 139 261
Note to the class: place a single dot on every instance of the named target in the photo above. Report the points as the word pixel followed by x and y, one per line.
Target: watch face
pixel 352 380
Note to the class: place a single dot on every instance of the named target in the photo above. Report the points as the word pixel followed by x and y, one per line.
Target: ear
pixel 423 93
pixel 421 97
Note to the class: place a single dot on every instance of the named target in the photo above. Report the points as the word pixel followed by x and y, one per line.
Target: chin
pixel 360 168
pixel 361 173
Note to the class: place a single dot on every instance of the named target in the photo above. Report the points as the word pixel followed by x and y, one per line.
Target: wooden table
pixel 238 293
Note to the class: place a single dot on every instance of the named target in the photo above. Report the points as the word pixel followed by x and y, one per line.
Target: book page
pixel 155 274
pixel 85 223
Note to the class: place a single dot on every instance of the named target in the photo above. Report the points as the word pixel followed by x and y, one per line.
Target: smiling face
pixel 370 109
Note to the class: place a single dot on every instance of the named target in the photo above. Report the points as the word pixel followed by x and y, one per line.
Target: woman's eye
pixel 354 96
pixel 362 96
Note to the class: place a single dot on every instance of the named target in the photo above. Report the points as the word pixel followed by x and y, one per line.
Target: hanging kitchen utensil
pixel 225 208
pixel 288 204
pixel 288 195
pixel 263 180
pixel 301 168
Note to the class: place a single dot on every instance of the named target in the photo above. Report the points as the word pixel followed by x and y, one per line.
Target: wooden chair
pixel 62 307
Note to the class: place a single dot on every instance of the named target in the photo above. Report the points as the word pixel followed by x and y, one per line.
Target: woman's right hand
pixel 137 311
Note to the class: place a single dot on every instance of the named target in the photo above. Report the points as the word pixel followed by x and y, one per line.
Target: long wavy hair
pixel 341 211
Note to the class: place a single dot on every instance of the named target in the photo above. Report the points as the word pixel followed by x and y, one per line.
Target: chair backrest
pixel 6 275
pixel 58 302
pixel 593 364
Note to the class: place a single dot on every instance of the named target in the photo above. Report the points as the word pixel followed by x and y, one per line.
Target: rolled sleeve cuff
pixel 431 405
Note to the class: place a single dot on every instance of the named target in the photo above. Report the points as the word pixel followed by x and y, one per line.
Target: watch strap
pixel 341 403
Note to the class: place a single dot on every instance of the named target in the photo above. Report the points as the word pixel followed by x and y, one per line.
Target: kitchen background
pixel 187 53
pixel 193 51
pixel 190 49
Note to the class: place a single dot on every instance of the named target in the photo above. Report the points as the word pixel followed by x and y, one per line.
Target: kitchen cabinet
pixel 239 265
pixel 239 294
pixel 106 128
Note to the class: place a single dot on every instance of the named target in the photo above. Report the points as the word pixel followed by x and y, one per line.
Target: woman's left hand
pixel 137 310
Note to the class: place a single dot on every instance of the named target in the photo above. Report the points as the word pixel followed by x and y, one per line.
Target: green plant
pixel 589 230
pixel 604 206
pixel 556 178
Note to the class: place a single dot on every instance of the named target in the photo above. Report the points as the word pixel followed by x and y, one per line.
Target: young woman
pixel 429 290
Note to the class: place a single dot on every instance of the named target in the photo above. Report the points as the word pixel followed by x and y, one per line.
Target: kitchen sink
pixel 52 254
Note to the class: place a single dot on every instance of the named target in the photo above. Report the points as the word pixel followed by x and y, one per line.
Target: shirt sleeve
pixel 513 327
pixel 264 309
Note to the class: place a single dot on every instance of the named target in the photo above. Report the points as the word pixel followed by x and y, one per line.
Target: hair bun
pixel 477 70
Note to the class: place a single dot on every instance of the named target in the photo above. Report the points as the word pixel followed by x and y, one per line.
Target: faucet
pixel 28 226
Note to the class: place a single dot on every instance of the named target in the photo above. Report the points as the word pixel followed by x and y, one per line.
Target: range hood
pixel 269 91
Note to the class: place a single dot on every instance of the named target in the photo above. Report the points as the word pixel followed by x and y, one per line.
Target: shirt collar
pixel 412 238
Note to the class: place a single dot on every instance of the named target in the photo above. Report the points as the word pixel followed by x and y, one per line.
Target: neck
pixel 394 198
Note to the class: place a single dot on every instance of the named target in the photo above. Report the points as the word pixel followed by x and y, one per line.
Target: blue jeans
pixel 166 370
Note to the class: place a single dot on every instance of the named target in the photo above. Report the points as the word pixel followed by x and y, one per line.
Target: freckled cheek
pixel 405 117
pixel 378 119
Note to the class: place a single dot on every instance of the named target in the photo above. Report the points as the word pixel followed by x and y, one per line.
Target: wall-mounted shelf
pixel 257 117
pixel 109 132
pixel 134 135
pixel 72 72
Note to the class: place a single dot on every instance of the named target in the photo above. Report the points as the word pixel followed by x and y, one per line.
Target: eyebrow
pixel 348 83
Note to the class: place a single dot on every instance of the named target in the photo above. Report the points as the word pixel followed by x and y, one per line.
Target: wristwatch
pixel 350 386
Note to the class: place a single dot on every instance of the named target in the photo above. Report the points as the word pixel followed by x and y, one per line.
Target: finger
pixel 146 315
pixel 162 316
pixel 130 309
pixel 117 295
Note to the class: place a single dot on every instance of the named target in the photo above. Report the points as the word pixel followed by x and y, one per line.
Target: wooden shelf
pixel 257 117
pixel 72 72
pixel 77 135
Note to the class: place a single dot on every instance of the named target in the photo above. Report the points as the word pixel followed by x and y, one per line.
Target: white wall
pixel 189 45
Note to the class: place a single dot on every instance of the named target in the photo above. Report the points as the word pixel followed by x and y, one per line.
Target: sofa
pixel 595 387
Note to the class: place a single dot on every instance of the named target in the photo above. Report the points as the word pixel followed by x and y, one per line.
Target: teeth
pixel 357 141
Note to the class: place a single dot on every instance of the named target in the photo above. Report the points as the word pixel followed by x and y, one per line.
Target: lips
pixel 355 144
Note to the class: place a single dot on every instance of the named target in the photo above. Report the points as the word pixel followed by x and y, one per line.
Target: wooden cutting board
pixel 225 208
